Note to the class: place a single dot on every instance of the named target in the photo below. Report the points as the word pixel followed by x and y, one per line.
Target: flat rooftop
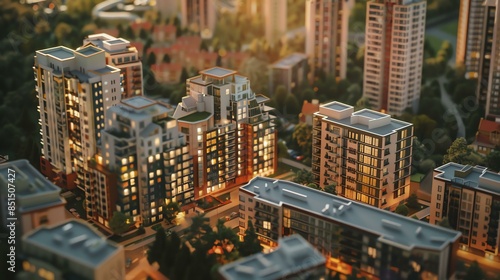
pixel 89 50
pixel 393 229
pixel 116 41
pixel 294 254
pixel 289 61
pixel 60 53
pixel 33 190
pixel 218 72
pixel 364 120
pixel 474 177
pixel 138 102
pixel 75 240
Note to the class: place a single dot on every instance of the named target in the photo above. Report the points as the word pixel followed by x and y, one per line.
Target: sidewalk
pixel 294 164
pixel 423 213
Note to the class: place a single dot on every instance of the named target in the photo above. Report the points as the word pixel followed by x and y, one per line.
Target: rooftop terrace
pixel 89 50
pixel 218 72
pixel 391 228
pixel 196 117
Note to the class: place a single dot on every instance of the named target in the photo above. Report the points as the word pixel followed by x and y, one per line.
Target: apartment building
pixel 394 45
pixel 377 243
pixel 290 72
pixel 294 258
pixel 231 135
pixel 469 36
pixel 199 16
pixel 275 18
pixel 73 88
pixel 37 201
pixel 366 154
pixel 488 90
pixel 144 164
pixel 122 55
pixel 71 249
pixel 469 197
pixel 327 26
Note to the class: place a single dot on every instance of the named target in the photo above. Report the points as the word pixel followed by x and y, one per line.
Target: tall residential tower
pixel 327 25
pixel 394 47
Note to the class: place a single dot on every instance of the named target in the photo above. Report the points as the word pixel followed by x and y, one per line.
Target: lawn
pixel 451 28
pixel 284 168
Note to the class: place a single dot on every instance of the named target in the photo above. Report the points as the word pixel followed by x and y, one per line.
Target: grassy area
pixel 451 28
pixel 435 42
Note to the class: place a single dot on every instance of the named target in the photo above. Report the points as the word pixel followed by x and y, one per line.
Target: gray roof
pixel 107 69
pixel 391 228
pixel 477 177
pixel 218 72
pixel 289 61
pixel 294 254
pixel 139 108
pixel 75 240
pixel 89 50
pixel 391 125
pixel 60 53
pixel 33 190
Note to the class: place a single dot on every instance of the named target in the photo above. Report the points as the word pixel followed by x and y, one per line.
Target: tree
pixel 151 59
pixel 156 249
pixel 251 244
pixel 199 227
pixel 170 211
pixel 303 177
pixel 402 210
pixel 423 126
pixel 459 152
pixel 414 217
pixel 181 263
pixel 445 223
pixel 119 223
pixel 332 188
pixel 184 75
pixel 474 272
pixel 362 103
pixel 62 31
pixel 302 134
pixel 493 159
pixel 313 186
pixel 280 96
pixel 292 105
pixel 166 58
pixel 412 201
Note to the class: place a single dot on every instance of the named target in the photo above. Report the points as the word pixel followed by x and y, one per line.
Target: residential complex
pixel 469 197
pixel 144 164
pixel 366 154
pixel 120 54
pixel 231 135
pixel 74 88
pixel 487 137
pixel 37 201
pixel 290 72
pixel 488 90
pixel 350 235
pixel 469 36
pixel 199 16
pixel 71 250
pixel 327 25
pixel 394 47
pixel 294 258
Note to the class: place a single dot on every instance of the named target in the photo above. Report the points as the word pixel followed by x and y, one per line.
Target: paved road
pixel 451 107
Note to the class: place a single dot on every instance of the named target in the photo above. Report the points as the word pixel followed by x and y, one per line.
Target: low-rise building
pixel 71 250
pixel 294 258
pixel 37 200
pixel 168 73
pixel 289 72
pixel 308 109
pixel 487 137
pixel 350 235
pixel 469 197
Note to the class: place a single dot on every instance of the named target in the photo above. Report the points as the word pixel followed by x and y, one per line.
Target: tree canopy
pixel 402 210
pixel 118 223
pixel 251 243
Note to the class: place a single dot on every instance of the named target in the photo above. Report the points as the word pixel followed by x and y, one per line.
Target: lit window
pixel 266 225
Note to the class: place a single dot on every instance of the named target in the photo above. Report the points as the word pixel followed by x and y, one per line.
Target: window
pixel 266 225
pixel 437 214
pixel 438 205
pixel 439 197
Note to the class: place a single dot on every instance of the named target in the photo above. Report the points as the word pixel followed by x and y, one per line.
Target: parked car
pixel 233 215
pixel 299 158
